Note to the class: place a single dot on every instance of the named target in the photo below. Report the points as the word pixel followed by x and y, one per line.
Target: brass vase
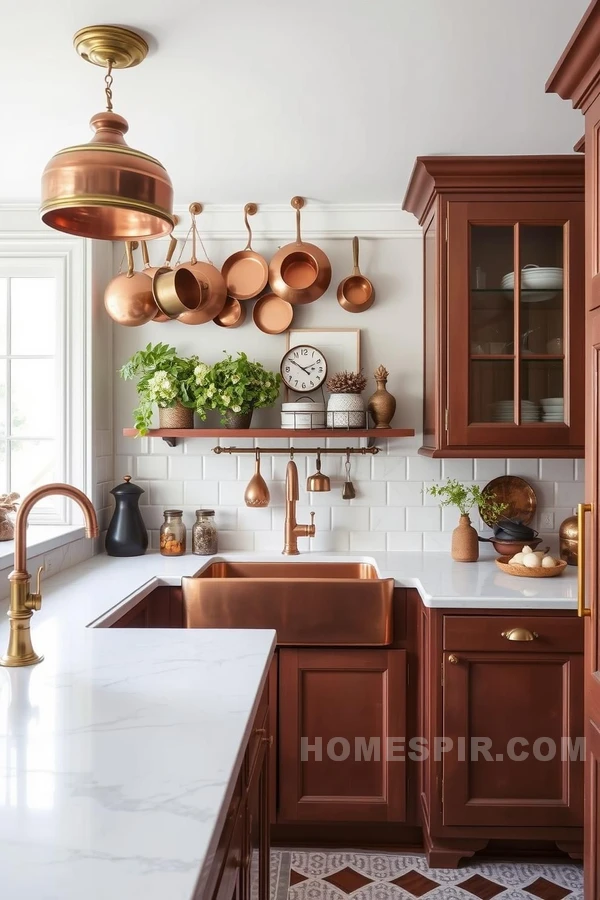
pixel 382 405
pixel 465 546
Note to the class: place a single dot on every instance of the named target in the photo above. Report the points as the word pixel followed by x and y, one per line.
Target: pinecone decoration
pixel 347 383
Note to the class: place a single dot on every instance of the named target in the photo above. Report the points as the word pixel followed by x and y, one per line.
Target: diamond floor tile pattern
pixel 371 875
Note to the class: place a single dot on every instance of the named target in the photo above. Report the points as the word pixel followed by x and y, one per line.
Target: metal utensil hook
pixel 250 209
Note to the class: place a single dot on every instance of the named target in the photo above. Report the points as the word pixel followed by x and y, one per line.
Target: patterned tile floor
pixel 335 875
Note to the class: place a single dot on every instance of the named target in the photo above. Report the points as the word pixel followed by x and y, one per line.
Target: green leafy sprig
pixel 465 497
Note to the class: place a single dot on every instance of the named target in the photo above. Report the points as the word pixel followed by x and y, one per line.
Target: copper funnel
pixel 318 483
pixel 257 493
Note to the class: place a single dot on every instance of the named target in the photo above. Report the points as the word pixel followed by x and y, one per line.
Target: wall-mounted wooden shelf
pixel 170 435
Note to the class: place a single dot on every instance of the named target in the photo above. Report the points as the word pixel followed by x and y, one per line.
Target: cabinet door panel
pixel 356 697
pixel 505 697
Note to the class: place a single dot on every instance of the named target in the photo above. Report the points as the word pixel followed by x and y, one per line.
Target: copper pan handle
pixel 129 252
pixel 195 210
pixel 582 609
pixel 250 209
pixel 356 270
pixel 170 251
pixel 298 203
pixel 145 256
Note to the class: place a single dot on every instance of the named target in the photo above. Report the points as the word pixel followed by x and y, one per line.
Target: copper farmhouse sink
pixel 337 604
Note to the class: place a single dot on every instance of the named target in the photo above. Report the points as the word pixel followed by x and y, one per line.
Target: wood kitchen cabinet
pixel 348 698
pixel 499 682
pixel 495 346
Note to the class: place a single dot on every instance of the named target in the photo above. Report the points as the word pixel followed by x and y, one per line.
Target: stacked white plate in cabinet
pixel 544 281
pixel 503 411
pixel 553 409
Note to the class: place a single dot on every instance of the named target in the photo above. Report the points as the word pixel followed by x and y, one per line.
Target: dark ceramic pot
pixel 237 420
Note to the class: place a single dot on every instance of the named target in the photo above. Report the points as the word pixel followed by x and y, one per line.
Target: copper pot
pixel 204 273
pixel 128 297
pixel 175 291
pixel 318 482
pixel 152 270
pixel 299 272
pixel 246 272
pixel 355 293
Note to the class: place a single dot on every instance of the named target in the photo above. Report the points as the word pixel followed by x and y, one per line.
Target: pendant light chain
pixel 108 80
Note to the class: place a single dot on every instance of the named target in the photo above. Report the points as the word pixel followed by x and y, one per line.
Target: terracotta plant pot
pixel 177 416
pixel 237 420
pixel 465 546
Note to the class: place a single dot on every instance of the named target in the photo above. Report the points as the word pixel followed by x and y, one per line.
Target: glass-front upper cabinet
pixel 504 304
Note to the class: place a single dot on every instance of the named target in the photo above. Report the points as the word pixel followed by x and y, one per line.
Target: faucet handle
pixel 34 601
pixel 312 529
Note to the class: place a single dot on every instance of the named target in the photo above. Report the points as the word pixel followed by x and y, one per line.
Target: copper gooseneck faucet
pixel 292 531
pixel 20 650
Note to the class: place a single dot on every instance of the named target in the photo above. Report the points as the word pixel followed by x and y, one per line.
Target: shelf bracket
pixel 170 441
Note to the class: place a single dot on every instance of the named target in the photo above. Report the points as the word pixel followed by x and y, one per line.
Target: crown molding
pixel 576 75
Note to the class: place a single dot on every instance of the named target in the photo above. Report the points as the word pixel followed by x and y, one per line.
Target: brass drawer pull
pixel 520 634
pixel 582 609
pixel 268 740
pixel 453 659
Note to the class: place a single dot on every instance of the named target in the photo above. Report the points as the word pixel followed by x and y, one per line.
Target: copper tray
pixel 272 315
pixel 517 494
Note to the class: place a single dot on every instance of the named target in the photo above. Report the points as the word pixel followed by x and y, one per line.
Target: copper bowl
pixel 509 548
pixel 232 315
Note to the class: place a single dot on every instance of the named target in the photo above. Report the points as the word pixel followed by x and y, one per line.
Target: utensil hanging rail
pixel 293 451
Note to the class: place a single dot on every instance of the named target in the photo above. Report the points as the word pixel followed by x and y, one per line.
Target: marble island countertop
pixel 119 751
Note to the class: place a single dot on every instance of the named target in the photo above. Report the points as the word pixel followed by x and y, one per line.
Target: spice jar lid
pixel 127 487
pixel 205 512
pixel 173 512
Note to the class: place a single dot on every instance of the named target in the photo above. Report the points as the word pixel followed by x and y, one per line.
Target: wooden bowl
pixel 538 572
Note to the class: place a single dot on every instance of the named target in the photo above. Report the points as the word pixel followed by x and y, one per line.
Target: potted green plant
pixel 166 380
pixel 465 545
pixel 346 407
pixel 236 387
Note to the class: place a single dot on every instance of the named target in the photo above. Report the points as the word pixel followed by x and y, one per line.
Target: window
pixel 42 431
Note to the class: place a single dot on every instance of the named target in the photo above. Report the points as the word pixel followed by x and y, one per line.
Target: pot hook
pixel 250 209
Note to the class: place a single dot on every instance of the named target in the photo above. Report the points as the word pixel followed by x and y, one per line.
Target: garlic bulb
pixel 531 560
pixel 548 562
pixel 526 549
pixel 517 559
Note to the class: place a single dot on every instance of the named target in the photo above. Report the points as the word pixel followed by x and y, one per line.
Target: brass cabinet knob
pixel 520 634
pixel 268 740
pixel 453 659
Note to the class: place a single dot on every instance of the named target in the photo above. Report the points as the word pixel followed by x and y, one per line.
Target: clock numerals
pixel 303 369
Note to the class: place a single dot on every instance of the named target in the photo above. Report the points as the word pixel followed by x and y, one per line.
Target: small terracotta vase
pixel 465 546
pixel 382 404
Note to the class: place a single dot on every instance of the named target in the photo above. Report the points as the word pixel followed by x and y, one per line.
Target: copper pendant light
pixel 104 189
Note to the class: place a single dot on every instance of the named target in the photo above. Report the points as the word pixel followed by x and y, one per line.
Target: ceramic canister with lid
pixel 303 414
pixel 127 534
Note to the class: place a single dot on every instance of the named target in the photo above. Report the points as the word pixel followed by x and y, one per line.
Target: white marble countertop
pixel 119 750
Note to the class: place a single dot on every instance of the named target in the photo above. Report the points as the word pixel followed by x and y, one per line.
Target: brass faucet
pixel 292 531
pixel 20 651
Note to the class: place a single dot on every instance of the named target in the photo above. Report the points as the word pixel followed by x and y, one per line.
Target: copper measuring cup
pixel 128 297
pixel 152 270
pixel 299 272
pixel 246 272
pixel 205 273
pixel 355 293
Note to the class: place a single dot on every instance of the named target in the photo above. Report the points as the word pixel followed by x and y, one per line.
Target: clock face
pixel 303 369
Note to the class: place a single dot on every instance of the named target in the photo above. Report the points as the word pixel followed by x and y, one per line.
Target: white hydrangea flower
pixel 236 409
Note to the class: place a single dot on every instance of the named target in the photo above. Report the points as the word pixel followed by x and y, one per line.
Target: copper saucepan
pixel 176 291
pixel 152 270
pixel 204 273
pixel 355 293
pixel 299 272
pixel 246 272
pixel 128 297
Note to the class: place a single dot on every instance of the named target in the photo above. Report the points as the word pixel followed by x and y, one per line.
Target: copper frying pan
pixel 204 272
pixel 232 315
pixel 152 270
pixel 355 293
pixel 128 297
pixel 299 272
pixel 246 272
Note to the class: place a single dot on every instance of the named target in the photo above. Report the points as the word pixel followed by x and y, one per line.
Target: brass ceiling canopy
pixel 105 189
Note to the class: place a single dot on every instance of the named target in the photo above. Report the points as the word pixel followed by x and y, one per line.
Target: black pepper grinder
pixel 127 535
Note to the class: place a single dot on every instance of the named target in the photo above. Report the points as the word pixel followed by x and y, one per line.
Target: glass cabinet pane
pixel 491 390
pixel 542 389
pixel 492 307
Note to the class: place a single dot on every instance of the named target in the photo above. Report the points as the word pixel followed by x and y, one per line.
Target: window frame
pixel 71 259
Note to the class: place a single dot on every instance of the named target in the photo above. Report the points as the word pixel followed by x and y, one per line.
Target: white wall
pixel 391 510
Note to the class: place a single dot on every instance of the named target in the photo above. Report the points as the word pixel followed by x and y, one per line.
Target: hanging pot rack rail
pixel 294 451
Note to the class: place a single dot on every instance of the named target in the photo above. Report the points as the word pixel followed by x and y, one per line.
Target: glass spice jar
pixel 204 533
pixel 172 533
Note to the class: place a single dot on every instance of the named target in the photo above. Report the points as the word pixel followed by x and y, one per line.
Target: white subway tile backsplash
pixel 389 468
pixel 409 493
pixel 159 447
pixel 363 541
pixel 330 540
pixel 270 542
pixel 235 540
pixel 231 493
pixel 151 467
pixel 249 519
pixel 437 541
pixel 198 447
pixel 226 518
pixel 486 469
pixel 569 494
pixel 461 469
pixel 388 518
pixel 422 468
pixel 166 493
pixel 370 493
pixel 423 518
pixel 220 468
pixel 523 468
pixel 349 518
pixel 200 493
pixel 404 540
pixel 557 470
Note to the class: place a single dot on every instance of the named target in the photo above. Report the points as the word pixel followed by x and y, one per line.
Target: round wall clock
pixel 303 369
